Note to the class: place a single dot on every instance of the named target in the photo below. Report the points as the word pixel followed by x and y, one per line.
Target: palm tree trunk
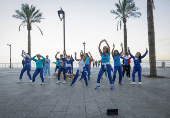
pixel 29 43
pixel 151 39
pixel 125 38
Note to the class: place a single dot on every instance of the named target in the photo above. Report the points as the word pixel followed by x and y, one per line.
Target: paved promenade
pixel 22 100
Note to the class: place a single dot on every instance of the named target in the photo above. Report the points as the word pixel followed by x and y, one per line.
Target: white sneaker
pixel 42 83
pixel 129 79
pixel 140 83
pixel 64 82
pixel 57 82
pixel 19 80
pixel 30 81
pixel 133 83
pixel 49 77
pixel 106 77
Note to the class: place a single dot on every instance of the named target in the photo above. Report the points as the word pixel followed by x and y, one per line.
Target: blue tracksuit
pixel 117 67
pixel 137 66
pixel 77 74
pixel 69 66
pixel 39 68
pixel 105 67
pixel 47 66
pixel 27 66
pixel 61 68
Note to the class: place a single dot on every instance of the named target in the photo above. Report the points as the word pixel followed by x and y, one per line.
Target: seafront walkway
pixel 23 100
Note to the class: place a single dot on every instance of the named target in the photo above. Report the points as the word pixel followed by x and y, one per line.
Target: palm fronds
pixel 125 9
pixel 28 15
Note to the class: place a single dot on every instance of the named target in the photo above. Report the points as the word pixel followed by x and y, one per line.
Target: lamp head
pixel 61 14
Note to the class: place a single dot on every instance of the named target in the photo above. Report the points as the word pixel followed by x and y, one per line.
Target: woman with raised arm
pixel 117 64
pixel 62 67
pixel 87 64
pixel 137 67
pixel 81 68
pixel 126 64
pixel 105 64
pixel 27 66
pixel 39 68
pixel 69 60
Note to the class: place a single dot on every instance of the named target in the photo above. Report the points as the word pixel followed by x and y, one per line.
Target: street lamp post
pixel 10 54
pixel 61 15
pixel 84 46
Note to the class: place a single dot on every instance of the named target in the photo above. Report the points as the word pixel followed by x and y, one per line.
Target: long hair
pixel 140 57
pixel 87 54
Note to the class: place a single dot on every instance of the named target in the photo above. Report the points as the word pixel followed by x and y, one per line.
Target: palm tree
pixel 124 10
pixel 29 15
pixel 151 38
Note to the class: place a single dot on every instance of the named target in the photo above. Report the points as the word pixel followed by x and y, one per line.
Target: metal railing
pixel 144 64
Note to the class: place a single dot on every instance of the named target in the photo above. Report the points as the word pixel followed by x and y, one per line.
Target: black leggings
pixel 127 69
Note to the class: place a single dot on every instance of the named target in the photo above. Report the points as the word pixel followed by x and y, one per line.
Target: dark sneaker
pixel 120 83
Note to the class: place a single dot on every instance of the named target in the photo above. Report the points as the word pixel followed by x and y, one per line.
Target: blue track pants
pixel 119 69
pixel 37 71
pixel 135 69
pixel 102 70
pixel 26 68
pixel 76 76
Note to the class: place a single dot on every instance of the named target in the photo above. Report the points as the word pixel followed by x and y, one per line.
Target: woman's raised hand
pixel 121 44
pixel 128 48
pixel 146 49
pixel 23 51
pixel 113 45
pixel 58 52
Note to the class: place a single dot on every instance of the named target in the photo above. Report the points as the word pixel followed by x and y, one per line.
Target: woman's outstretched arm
pixel 107 46
pixel 113 50
pixel 130 53
pixel 56 55
pixel 100 51
pixel 122 49
pixel 145 53
pixel 76 57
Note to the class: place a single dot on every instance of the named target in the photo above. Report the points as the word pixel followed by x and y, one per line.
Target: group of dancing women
pixel 65 64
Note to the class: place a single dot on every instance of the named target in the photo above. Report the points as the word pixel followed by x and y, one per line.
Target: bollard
pixel 163 64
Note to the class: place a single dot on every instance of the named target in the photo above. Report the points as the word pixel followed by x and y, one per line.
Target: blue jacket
pixel 136 59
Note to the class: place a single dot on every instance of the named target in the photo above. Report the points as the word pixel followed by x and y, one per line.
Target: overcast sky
pixel 86 20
